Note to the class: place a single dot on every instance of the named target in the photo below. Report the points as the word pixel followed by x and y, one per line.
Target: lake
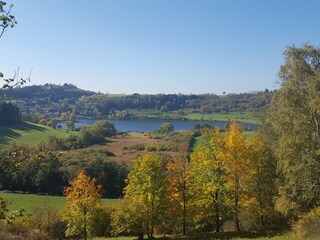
pixel 148 125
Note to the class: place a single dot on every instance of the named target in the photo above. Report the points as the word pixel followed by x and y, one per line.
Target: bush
pixel 47 221
pixel 137 147
pixel 308 224
pixel 150 148
pixel 102 222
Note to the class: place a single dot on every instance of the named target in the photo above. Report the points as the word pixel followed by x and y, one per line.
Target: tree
pixel 147 186
pixel 129 217
pixel 238 170
pixel 263 181
pixel 9 21
pixel 69 125
pixel 179 188
pixel 208 178
pixel 82 199
pixel 105 128
pixel 292 129
pixel 166 127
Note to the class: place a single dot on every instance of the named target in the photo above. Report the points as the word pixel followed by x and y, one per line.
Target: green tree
pixel 208 179
pixel 82 200
pixel 292 129
pixel 69 125
pixel 166 127
pixel 262 182
pixel 147 186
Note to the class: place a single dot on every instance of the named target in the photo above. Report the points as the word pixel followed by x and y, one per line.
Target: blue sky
pixel 157 46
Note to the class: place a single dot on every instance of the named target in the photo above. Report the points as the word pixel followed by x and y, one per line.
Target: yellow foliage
pixel 82 199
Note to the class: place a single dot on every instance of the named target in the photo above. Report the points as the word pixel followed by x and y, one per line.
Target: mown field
pixel 27 133
pixel 245 117
pixel 30 202
pixel 240 117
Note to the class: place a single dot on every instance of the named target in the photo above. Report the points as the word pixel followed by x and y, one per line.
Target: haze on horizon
pixel 157 46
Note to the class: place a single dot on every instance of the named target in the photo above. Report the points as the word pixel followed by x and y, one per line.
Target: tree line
pixel 57 99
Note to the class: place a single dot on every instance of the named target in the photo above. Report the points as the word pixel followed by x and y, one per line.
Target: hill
pixel 27 132
pixel 52 100
pixel 51 92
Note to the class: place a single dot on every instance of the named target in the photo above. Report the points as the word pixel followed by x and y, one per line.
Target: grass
pixel 241 117
pixel 27 133
pixel 245 117
pixel 216 236
pixel 30 202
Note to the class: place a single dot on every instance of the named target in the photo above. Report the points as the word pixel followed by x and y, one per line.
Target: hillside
pixel 27 133
pixel 51 100
pixel 51 92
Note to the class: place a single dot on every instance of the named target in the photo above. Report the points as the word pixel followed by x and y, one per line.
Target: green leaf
pixel 11 5
pixel 1 74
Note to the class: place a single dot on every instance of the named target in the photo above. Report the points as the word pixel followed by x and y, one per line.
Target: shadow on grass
pixel 7 132
pixel 222 235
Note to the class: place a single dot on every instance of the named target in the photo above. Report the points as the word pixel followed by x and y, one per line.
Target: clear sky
pixel 157 46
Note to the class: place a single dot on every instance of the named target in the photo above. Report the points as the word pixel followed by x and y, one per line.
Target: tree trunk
pixel 85 223
pixel 237 211
pixel 184 211
pixel 217 211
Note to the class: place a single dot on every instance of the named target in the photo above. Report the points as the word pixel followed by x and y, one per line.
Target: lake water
pixel 148 125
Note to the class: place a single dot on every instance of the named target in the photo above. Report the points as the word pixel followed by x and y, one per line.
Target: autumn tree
pixel 179 187
pixel 208 178
pixel 292 129
pixel 147 187
pixel 82 199
pixel 238 170
pixel 262 185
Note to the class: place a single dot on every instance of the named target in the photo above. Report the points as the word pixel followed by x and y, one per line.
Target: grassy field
pixel 191 115
pixel 241 117
pixel 30 202
pixel 27 133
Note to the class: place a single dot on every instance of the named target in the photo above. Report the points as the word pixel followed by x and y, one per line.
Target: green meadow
pixel 246 117
pixel 30 202
pixel 27 133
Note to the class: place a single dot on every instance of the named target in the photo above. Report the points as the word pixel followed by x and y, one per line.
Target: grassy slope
pixel 28 133
pixel 30 202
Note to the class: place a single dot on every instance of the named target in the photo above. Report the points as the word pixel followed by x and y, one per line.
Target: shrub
pixel 47 221
pixel 150 148
pixel 308 224
pixel 102 222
